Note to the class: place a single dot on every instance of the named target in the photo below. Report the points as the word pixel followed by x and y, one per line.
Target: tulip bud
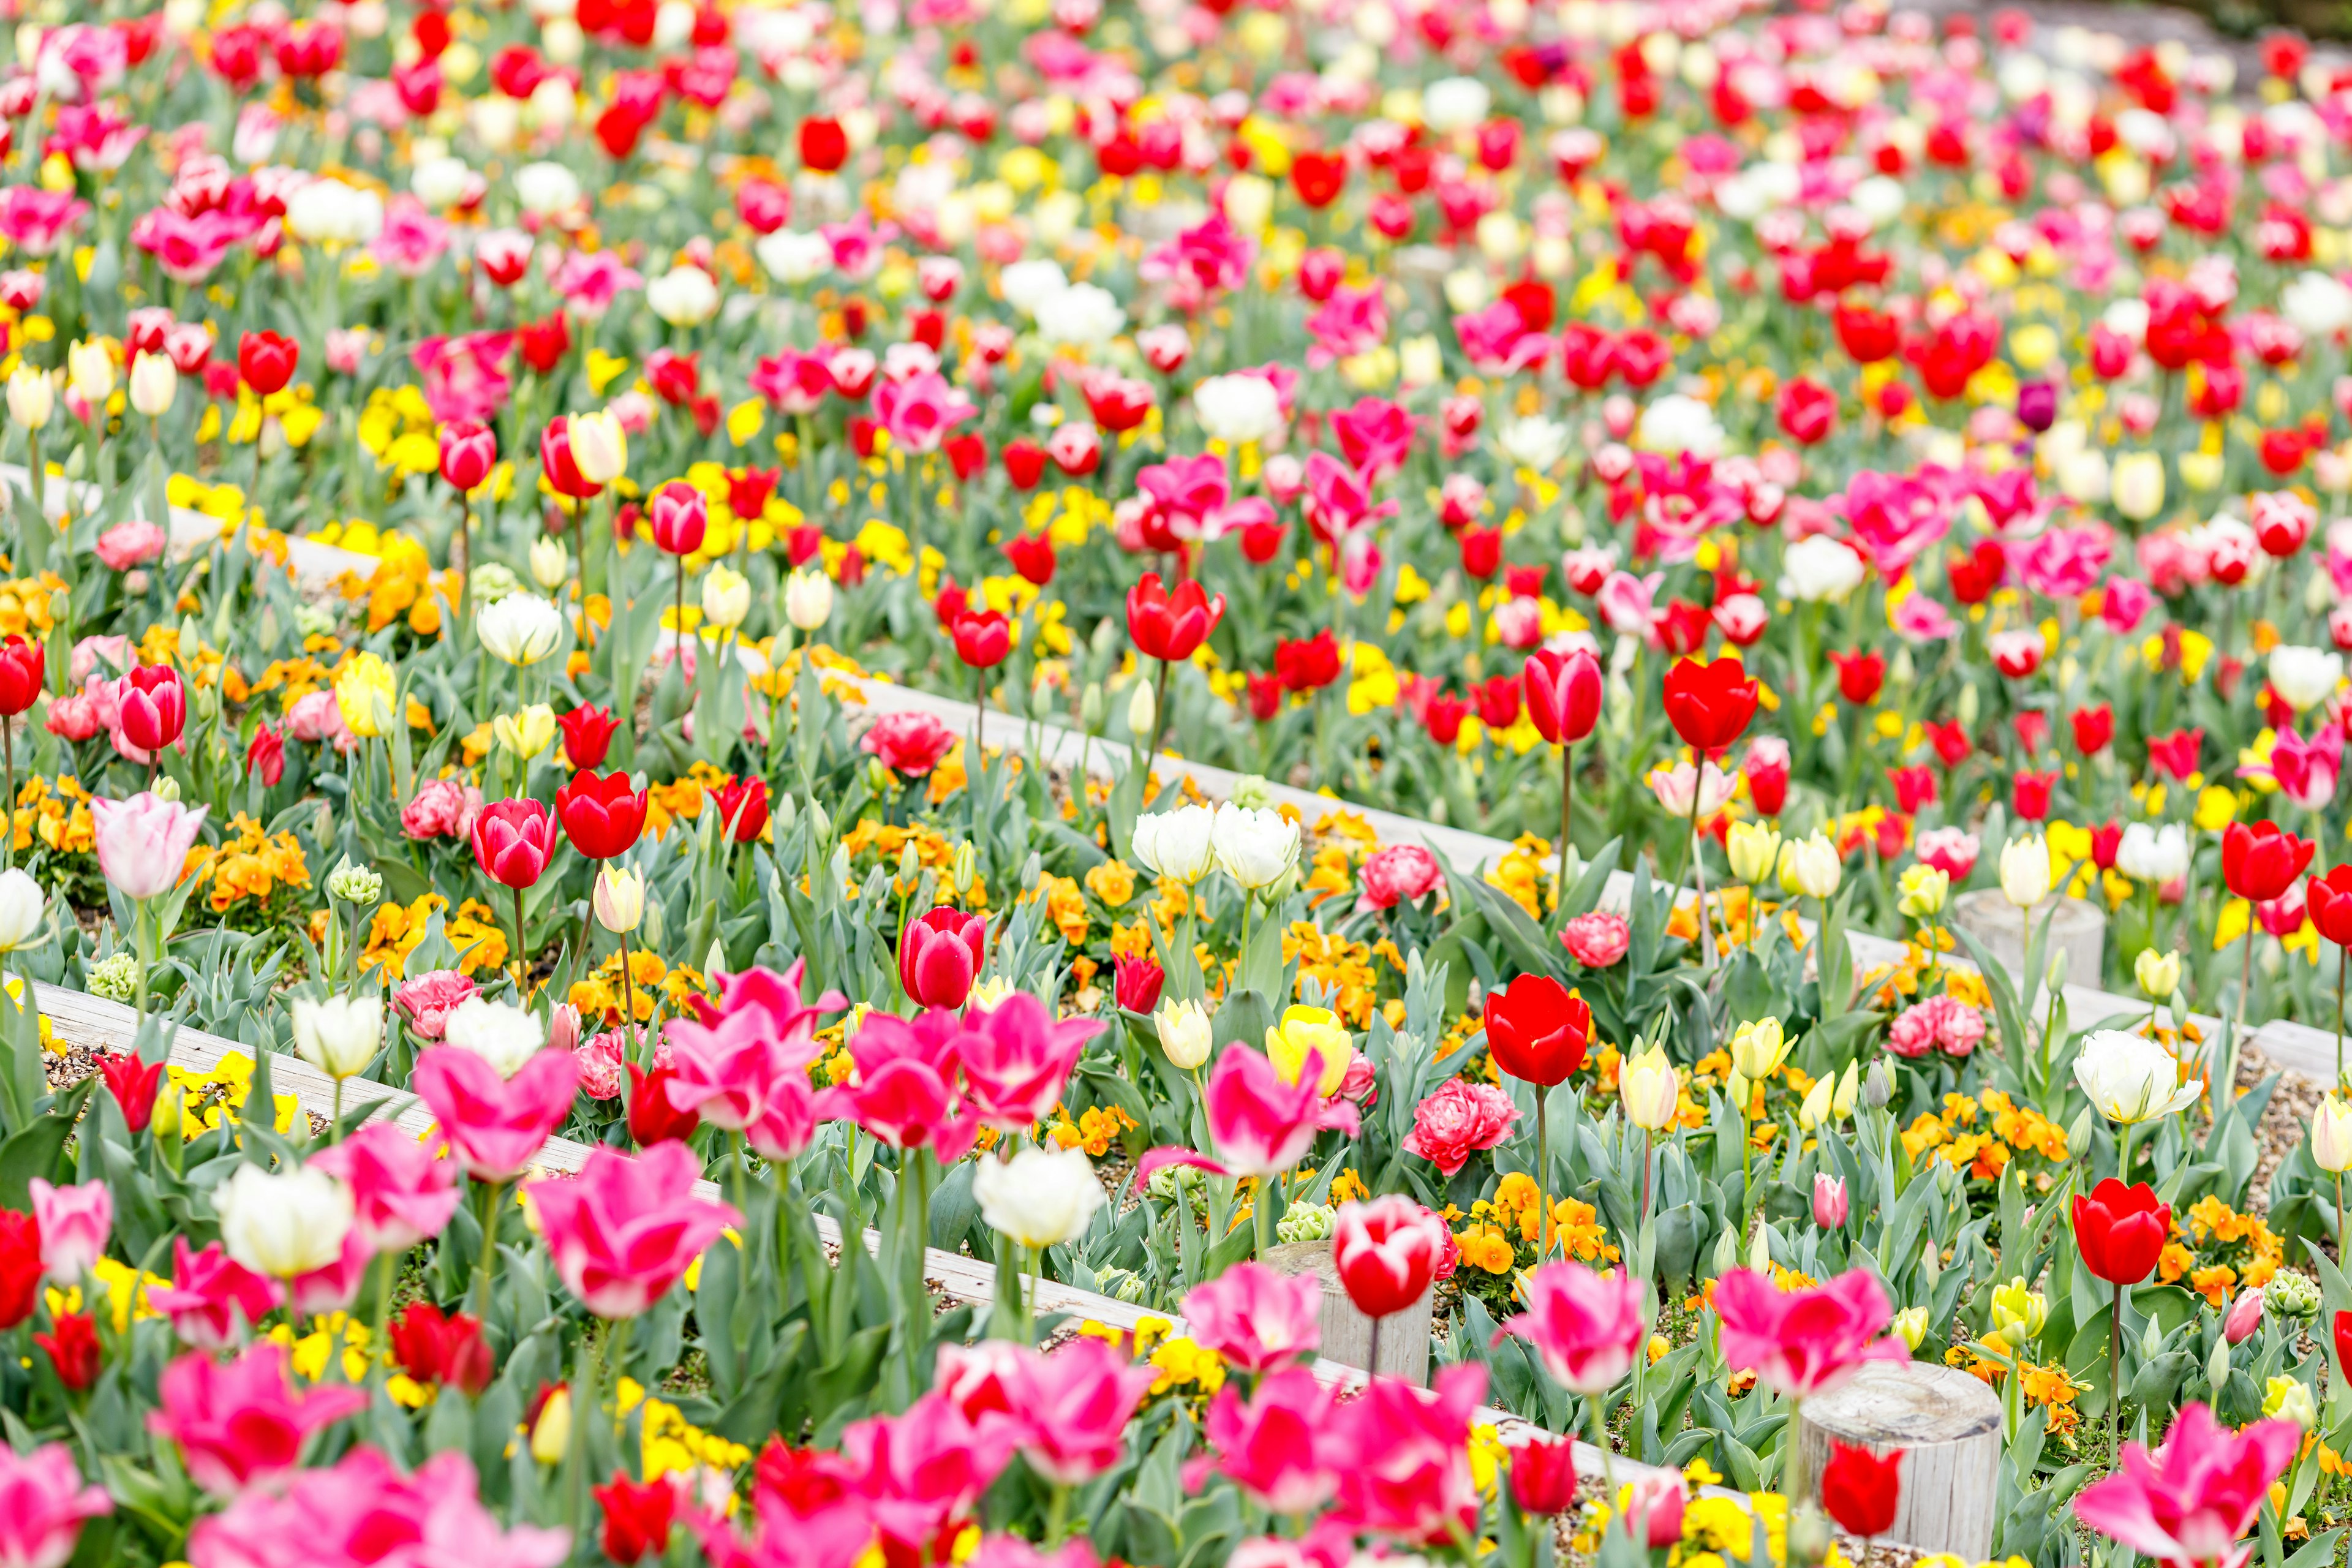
pixel 339 1036
pixel 1809 1532
pixel 1140 711
pixel 599 447
pixel 619 899
pixel 1090 707
pixel 1829 1200
pixel 2331 1135
pixel 2217 1368
pixel 1760 1249
pixel 1910 1326
pixel 2019 1312
pixel 2245 1315
pixel 726 597
pixel 1184 1032
pixel 166 788
pixel 550 564
pixel 154 382
pixel 1819 1104
pixel 2078 1136
pixel 1758 1048
pixel 787 814
pixel 2158 974
pixel 1740 1091
pixel 808 600
pixel 1879 1087
pixel 551 1435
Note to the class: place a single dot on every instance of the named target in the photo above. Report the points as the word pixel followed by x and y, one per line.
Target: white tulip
pixel 2131 1078
pixel 1184 1032
pixel 1238 409
pixel 2025 871
pixel 550 564
pixel 2317 304
pixel 1456 103
pixel 521 629
pixel 1177 844
pixel 328 212
pixel 500 1033
pixel 1674 424
pixel 1254 846
pixel 1811 867
pixel 1534 443
pixel 1039 1198
pixel 1028 284
pixel 2151 854
pixel 1084 315
pixel 808 600
pixel 794 258
pixel 439 181
pixel 546 189
pixel 154 383
pixel 32 397
pixel 283 1224
pixel 2305 676
pixel 683 296
pixel 22 909
pixel 726 597
pixel 339 1036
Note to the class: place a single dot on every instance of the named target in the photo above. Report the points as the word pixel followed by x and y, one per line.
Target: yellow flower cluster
pixel 193 1103
pixel 1339 966
pixel 57 815
pixel 1985 1151
pixel 1097 1128
pixel 600 996
pixel 673 1444
pixel 1510 1222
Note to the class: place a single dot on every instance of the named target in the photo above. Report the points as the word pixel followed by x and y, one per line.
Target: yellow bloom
pixel 364 693
pixel 1316 1029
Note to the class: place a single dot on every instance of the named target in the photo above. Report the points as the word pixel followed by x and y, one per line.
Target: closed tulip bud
pixel 89 371
pixel 1849 1091
pixel 1090 707
pixel 1910 1326
pixel 1829 1200
pixel 1142 712
pixel 808 600
pixel 32 397
pixel 726 597
pixel 2158 974
pixel 619 900
pixel 2331 1135
pixel 550 564
pixel 1758 1048
pixel 599 446
pixel 551 1435
pixel 1819 1104
pixel 2019 1310
pixel 339 1036
pixel 527 734
pixel 1184 1032
pixel 1755 850
pixel 1879 1087
pixel 1649 1091
pixel 2080 1132
pixel 154 382
pixel 23 909
pixel 2245 1315
pixel 2025 871
pixel 1810 868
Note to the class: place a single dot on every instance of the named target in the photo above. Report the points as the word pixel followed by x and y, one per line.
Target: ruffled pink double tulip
pixel 495 1126
pixel 1807 1342
pixel 1016 1058
pixel 1585 1329
pixel 625 1230
pixel 242 1421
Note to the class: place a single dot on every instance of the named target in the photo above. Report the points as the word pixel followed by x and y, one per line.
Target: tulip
pixel 2244 1316
pixel 1039 1198
pixel 155 384
pixel 808 600
pixel 2025 871
pixel 495 1126
pixel 339 1036
pixel 1861 1490
pixel 1184 1032
pixel 132 1085
pixel 525 733
pixel 2197 1494
pixel 401 1193
pixel 1710 704
pixel 551 1431
pixel 1754 849
pixel 1804 1341
pixel 1829 1200
pixel 2158 974
pixel 2138 485
pixel 1585 1328
pixel 142 843
pixel 726 598
pixel 74 1222
pixel 2131 1078
pixel 43 1503
pixel 32 397
pixel 1168 626
pixel 619 899
pixel 285 1222
pixel 1017 1061
pixel 1758 1048
pixel 939 955
pixel 468 452
pixel 153 703
pixel 1811 867
pixel 1311 1034
pixel 1386 1251
pixel 434 1348
pixel 599 446
pixel 1537 1032
pixel 2120 1230
pixel 1921 891
pixel 363 695
pixel 2259 863
pixel 500 1033
pixel 587 735
pixel 1260 1122
pixel 1177 844
pixel 23 910
pixel 603 817
pixel 243 1422
pixel 1650 1090
pixel 266 361
pixel 624 1230
pixel 1258 1319
pixel 638 1516
pixel 1136 983
pixel 2019 1310
pixel 519 629
pixel 513 840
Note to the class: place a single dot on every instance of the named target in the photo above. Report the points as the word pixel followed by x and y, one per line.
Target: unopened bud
pixel 1090 707
pixel 1141 714
pixel 2078 1136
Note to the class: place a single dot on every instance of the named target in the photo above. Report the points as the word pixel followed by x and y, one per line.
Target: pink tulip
pixel 401 1195
pixel 939 955
pixel 513 841
pixel 916 1474
pixel 2187 1504
pixel 42 1505
pixel 213 1303
pixel 496 1126
pixel 335 1287
pixel 903 1093
pixel 1276 1446
pixel 242 1421
pixel 1829 1200
pixel 1260 1124
pixel 1807 1342
pixel 1073 1407
pixel 1653 1511
pixel 143 842
pixel 2244 1317
pixel 428 1001
pixel 1387 1251
pixel 364 1509
pixel 1255 1317
pixel 1404 1459
pixel 73 1222
pixel 744 1066
pixel 1584 1328
pixel 624 1230
pixel 1015 1059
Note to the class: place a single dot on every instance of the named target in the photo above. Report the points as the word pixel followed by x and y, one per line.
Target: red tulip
pixel 468 452
pixel 1710 704
pixel 587 735
pixel 1171 626
pixel 1319 177
pixel 1136 983
pixel 2259 863
pixel 742 807
pixel 2343 1342
pixel 1386 1252
pixel 23 671
pixel 555 461
pixel 1860 1491
pixel 2121 1230
pixel 652 1117
pixel 1536 1031
pixel 824 145
pixel 637 1514
pixel 20 1266
pixel 267 756
pixel 1860 675
pixel 1031 555
pixel 1807 411
pixel 681 516
pixel 513 841
pixel 436 1347
pixel 602 816
pixel 2094 727
pixel 2030 795
pixel 266 361
pixel 1563 694
pixel 940 956
pixel 132 1083
pixel 2329 901
pixel 72 1345
pixel 154 705
pixel 1543 1474
pixel 983 640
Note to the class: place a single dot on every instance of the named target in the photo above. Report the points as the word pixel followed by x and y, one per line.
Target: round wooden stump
pixel 1347 1332
pixel 1946 1423
pixel 2079 929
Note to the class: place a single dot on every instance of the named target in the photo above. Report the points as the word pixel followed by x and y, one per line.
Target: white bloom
pixel 1818 568
pixel 439 181
pixel 1028 284
pixel 1534 443
pixel 330 212
pixel 1674 787
pixel 284 1224
pixel 1879 199
pixel 2306 677
pixel 339 1036
pixel 32 397
pixel 2025 871
pixel 1039 1198
pixel 521 629
pixel 500 1033
pixel 683 296
pixel 1235 409
pixel 793 259
pixel 1084 315
pixel 550 564
pixel 1254 846
pixel 2317 304
pixel 1675 424
pixel 1456 103
pixel 1184 1032
pixel 808 599
pixel 22 907
pixel 546 189
pixel 1176 844
pixel 2151 854
pixel 2131 1078
pixel 154 383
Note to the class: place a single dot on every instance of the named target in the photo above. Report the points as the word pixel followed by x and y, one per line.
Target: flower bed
pixel 756 755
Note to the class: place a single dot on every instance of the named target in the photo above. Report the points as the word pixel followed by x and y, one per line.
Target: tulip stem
pixel 2339 1217
pixel 487 1263
pixel 2342 953
pixel 523 966
pixel 629 997
pixel 1543 1174
pixel 1649 1150
pixel 1699 868
pixel 2114 1377
pixel 1372 1355
pixel 1159 719
pixel 1262 1215
pixel 1600 1441
pixel 1567 794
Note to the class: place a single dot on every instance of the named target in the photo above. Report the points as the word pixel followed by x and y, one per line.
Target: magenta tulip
pixel 940 956
pixel 495 1126
pixel 240 1422
pixel 1584 1328
pixel 625 1228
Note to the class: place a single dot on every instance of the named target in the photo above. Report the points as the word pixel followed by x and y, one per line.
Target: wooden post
pixel 1347 1332
pixel 1946 1422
